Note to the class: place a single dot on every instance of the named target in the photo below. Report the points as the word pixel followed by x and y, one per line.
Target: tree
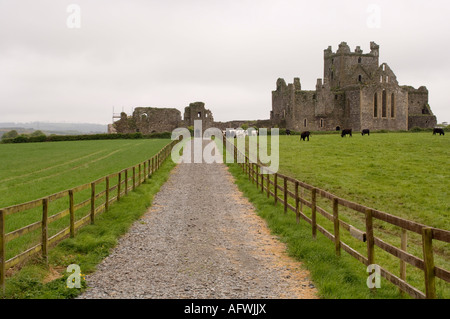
pixel 10 134
pixel 37 133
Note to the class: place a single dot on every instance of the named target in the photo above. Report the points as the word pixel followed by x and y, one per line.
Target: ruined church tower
pixel 356 92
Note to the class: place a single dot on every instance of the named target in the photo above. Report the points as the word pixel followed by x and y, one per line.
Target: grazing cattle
pixel 346 132
pixel 365 131
pixel 288 132
pixel 305 135
pixel 439 131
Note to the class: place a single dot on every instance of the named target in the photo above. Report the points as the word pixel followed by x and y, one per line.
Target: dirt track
pixel 200 239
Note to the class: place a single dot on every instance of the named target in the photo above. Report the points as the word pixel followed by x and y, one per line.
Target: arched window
pixel 375 105
pixel 304 122
pixel 359 60
pixel 383 104
pixel 392 105
pixel 359 78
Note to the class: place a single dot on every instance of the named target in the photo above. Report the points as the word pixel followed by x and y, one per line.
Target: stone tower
pixel 356 92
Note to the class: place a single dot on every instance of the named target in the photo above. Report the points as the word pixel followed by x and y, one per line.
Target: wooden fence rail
pixel 98 202
pixel 268 181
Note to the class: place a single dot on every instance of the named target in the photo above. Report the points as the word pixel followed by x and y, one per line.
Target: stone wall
pixel 345 98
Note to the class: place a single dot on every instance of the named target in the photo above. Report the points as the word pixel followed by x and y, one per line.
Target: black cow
pixel 288 132
pixel 305 135
pixel 346 132
pixel 439 131
pixel 365 131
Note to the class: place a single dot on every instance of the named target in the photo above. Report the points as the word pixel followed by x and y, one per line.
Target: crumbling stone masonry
pixel 356 92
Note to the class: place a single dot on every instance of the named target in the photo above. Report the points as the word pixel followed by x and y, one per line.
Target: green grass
pixel 33 170
pixel 335 277
pixel 91 244
pixel 404 174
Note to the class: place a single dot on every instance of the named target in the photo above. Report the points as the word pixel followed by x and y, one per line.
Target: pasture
pixel 403 174
pixel 35 170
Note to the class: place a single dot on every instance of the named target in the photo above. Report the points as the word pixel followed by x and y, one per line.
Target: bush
pixel 86 137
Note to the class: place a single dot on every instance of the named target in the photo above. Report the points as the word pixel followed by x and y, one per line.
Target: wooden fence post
pixel 337 239
pixel 268 185
pixel 404 244
pixel 126 181
pixel 2 251
pixel 427 241
pixel 118 186
pixel 134 178
pixel 92 203
pixel 285 194
pixel 72 214
pixel 275 188
pixel 369 238
pixel 297 212
pixel 257 175
pixel 252 172
pixel 139 175
pixel 262 179
pixel 44 234
pixel 313 212
pixel 144 171
pixel 107 194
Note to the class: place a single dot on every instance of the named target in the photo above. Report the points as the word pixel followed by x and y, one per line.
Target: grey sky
pixel 227 54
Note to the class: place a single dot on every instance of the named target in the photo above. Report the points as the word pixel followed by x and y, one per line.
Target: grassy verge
pixel 91 244
pixel 335 277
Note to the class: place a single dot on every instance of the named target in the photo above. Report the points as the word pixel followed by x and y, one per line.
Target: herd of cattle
pixel 304 136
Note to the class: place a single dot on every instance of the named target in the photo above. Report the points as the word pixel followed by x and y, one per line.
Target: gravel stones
pixel 201 239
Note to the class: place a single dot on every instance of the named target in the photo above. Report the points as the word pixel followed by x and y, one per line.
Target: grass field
pixel 404 174
pixel 90 246
pixel 35 170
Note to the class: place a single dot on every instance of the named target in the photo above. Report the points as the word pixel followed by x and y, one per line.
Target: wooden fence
pixel 113 187
pixel 290 189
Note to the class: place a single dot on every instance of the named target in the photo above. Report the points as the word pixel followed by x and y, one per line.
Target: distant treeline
pixel 86 137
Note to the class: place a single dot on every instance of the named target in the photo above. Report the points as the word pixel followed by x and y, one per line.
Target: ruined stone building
pixel 149 120
pixel 356 92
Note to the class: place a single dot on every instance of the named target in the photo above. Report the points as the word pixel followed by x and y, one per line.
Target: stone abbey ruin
pixel 356 92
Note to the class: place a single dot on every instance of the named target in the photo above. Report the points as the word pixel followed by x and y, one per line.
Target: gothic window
pixel 383 104
pixel 359 78
pixel 375 105
pixel 392 105
pixel 199 114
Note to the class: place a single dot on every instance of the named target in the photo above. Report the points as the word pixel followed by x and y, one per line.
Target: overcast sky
pixel 58 64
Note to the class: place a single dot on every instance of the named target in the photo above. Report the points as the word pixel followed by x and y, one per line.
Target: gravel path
pixel 200 239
